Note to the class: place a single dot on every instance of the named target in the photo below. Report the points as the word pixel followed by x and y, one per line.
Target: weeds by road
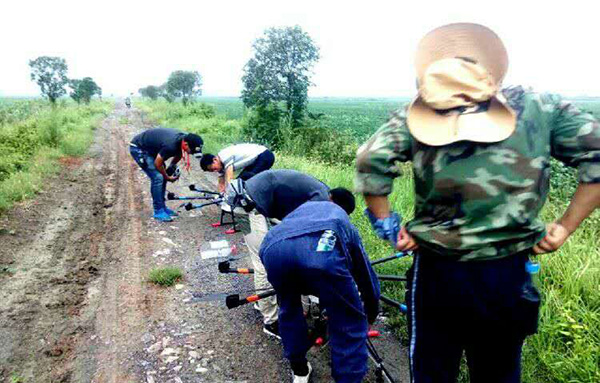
pixel 34 136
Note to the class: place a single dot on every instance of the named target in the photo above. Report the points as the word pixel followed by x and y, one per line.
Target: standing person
pixel 481 164
pixel 151 149
pixel 275 194
pixel 246 160
pixel 317 251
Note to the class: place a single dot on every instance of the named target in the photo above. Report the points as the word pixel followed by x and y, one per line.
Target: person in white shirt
pixel 245 160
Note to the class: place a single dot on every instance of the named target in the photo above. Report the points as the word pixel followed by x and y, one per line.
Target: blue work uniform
pixel 296 267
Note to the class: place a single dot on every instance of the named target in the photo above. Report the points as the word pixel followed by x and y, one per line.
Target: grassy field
pixel 567 347
pixel 358 116
pixel 34 135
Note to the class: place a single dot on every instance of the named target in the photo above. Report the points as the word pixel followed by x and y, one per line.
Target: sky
pixel 367 47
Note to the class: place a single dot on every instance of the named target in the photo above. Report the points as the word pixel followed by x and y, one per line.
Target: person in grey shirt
pixel 246 160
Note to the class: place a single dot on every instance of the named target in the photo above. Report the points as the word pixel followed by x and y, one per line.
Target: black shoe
pixel 272 329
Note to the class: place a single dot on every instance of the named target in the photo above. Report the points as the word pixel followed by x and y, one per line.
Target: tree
pixel 50 73
pixel 184 85
pixel 280 70
pixel 165 94
pixel 83 90
pixel 151 91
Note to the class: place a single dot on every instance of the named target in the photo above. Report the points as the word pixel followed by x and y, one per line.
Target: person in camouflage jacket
pixel 476 224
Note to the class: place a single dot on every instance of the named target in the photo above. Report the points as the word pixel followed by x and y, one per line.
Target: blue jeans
pixel 158 184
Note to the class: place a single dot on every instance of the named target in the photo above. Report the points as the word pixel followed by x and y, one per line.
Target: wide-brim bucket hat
pixel 460 68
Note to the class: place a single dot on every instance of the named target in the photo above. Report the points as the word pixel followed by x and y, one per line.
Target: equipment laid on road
pixel 174 197
pixel 233 300
pixel 226 209
pixel 225 268
pixel 218 198
pixel 191 206
pixel 397 278
pixel 195 189
pixel 381 371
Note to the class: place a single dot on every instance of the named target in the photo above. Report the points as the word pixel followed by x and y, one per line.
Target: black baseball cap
pixel 194 142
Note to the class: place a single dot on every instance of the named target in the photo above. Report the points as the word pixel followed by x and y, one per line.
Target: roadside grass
pixel 165 276
pixel 567 346
pixel 34 135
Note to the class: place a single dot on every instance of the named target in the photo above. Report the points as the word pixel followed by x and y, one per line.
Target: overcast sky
pixel 366 47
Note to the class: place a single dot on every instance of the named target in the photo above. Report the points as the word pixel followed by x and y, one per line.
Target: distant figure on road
pixel 246 160
pixel 128 102
pixel 151 149
pixel 275 194
pixel 481 166
pixel 317 251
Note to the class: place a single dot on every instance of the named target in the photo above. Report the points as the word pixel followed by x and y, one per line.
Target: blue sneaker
pixel 170 212
pixel 162 216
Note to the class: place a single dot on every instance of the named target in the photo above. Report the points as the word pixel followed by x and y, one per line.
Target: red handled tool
pixel 225 267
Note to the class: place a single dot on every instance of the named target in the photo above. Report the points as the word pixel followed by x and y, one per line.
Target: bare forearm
pixel 378 205
pixel 228 175
pixel 159 164
pixel 585 200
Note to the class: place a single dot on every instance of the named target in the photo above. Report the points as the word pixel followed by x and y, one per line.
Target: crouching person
pixel 245 160
pixel 317 251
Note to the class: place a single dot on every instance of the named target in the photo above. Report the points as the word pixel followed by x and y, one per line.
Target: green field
pixel 567 347
pixel 358 116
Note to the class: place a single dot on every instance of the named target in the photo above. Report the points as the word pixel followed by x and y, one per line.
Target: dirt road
pixel 75 304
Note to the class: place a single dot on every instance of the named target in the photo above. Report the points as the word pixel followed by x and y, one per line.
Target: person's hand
pixel 406 242
pixel 172 179
pixel 386 228
pixel 556 235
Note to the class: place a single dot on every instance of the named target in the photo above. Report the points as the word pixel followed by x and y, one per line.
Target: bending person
pixel 246 160
pixel 151 149
pixel 275 194
pixel 317 251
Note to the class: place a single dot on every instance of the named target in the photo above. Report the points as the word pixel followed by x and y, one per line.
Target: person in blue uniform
pixel 317 251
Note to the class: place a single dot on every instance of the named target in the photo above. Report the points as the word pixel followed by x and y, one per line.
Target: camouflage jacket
pixel 479 201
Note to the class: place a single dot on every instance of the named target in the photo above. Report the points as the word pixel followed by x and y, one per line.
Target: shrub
pixel 315 140
pixel 263 124
pixel 33 135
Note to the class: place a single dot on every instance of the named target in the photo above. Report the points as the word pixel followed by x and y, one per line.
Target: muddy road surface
pixel 75 301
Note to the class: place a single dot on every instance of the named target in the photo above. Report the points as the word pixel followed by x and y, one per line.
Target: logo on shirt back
pixel 327 241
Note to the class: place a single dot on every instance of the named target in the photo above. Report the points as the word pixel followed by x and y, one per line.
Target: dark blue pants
pixel 263 162
pixel 485 309
pixel 158 184
pixel 294 268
